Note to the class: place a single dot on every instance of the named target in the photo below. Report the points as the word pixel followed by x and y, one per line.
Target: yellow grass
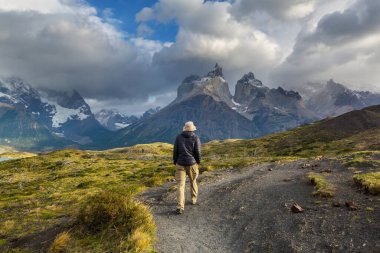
pixel 322 188
pixel 369 181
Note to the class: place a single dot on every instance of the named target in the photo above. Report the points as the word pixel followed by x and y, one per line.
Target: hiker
pixel 187 157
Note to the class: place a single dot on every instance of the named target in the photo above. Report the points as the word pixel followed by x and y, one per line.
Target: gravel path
pixel 249 211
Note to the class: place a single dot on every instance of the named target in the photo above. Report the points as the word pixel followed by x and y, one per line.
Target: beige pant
pixel 180 176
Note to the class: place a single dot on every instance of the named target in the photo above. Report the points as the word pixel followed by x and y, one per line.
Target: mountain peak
pixel 217 71
pixel 289 93
pixel 247 88
pixel 249 79
pixel 213 84
pixel 17 86
pixel 334 87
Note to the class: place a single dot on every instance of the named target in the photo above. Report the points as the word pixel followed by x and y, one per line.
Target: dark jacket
pixel 187 149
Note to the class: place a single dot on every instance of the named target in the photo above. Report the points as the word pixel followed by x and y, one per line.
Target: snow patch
pixel 235 103
pixel 59 134
pixel 121 125
pixel 60 114
pixel 10 98
pixel 5 95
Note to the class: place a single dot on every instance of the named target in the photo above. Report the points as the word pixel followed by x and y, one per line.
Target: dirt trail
pixel 249 211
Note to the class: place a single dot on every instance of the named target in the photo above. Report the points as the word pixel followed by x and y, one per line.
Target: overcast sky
pixel 133 54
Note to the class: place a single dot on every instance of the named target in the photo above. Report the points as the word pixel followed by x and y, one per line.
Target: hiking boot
pixel 179 211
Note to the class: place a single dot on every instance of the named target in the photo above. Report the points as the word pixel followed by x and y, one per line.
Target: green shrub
pixel 121 223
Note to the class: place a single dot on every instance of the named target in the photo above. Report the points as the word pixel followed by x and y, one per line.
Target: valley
pixel 44 196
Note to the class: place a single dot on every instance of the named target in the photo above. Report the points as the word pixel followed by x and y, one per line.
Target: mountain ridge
pixel 65 115
pixel 208 102
pixel 253 111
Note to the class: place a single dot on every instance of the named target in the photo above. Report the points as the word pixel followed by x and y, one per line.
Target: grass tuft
pixel 322 188
pixel 60 243
pixel 369 181
pixel 118 222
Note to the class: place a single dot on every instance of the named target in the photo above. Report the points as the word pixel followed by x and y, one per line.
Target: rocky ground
pixel 249 210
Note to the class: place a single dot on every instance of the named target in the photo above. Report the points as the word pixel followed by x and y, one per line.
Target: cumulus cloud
pixel 343 46
pixel 65 45
pixel 208 33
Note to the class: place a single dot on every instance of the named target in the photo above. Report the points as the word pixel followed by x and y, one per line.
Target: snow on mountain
pixel 8 97
pixel 113 120
pixel 61 115
pixel 121 125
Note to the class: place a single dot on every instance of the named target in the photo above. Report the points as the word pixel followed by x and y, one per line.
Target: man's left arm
pixel 197 150
pixel 175 151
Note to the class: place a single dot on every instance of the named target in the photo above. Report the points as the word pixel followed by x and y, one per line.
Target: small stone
pixel 297 208
pixel 270 169
pixel 352 206
pixel 337 204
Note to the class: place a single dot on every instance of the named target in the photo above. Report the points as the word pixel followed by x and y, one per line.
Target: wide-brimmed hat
pixel 189 126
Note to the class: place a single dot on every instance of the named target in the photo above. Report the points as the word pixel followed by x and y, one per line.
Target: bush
pixel 121 222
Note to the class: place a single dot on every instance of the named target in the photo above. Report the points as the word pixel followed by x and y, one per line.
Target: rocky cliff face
pixel 247 88
pixel 205 100
pixel 255 110
pixel 271 110
pixel 212 84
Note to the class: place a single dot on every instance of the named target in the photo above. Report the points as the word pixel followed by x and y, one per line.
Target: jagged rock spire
pixel 249 79
pixel 217 71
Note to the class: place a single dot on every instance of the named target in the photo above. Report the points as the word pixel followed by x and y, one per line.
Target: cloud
pixel 284 9
pixel 208 33
pixel 343 46
pixel 133 108
pixel 144 30
pixel 65 45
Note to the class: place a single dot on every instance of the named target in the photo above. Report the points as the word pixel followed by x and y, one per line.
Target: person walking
pixel 187 157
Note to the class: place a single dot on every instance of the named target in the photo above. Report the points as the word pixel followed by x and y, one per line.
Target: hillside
pixel 167 123
pixel 51 190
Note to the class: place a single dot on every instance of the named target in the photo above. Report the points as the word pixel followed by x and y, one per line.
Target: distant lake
pixel 2 159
